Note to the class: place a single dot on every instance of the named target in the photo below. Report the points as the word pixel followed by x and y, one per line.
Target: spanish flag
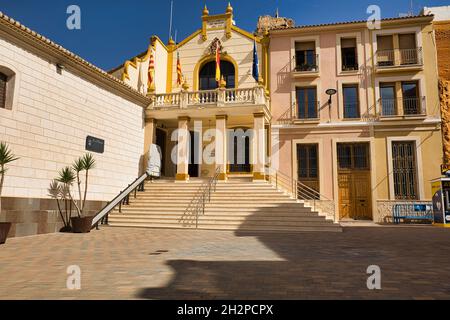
pixel 179 73
pixel 218 63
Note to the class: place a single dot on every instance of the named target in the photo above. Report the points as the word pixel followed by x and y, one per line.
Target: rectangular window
pixel 305 56
pixel 308 165
pixel 388 99
pixel 3 81
pixel 307 103
pixel 404 170
pixel 411 99
pixel 353 156
pixel 385 51
pixel 349 54
pixel 351 101
pixel 408 49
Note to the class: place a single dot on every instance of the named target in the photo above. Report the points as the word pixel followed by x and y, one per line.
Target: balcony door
pixel 305 56
pixel 388 99
pixel 207 75
pixel 411 100
pixel 307 103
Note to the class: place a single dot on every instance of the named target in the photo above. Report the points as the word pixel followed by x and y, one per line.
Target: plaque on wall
pixel 95 144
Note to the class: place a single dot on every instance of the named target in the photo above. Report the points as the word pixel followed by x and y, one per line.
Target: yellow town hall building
pixel 239 102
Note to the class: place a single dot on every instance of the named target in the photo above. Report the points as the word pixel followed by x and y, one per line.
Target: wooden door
pixel 354 181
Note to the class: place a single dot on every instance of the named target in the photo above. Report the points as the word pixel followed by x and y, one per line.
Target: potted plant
pixel 61 190
pixel 6 157
pixel 82 224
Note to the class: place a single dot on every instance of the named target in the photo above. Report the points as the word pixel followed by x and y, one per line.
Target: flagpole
pixel 171 19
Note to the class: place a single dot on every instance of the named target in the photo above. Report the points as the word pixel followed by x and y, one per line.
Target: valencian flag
pixel 218 63
pixel 255 72
pixel 151 70
pixel 179 73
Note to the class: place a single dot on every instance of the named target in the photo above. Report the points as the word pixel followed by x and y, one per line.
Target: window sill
pixel 349 72
pixel 403 117
pixel 306 121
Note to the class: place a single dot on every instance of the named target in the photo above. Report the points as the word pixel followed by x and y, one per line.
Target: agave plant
pixel 6 157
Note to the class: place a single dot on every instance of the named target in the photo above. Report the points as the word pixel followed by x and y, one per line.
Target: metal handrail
pixel 122 198
pixel 203 196
pixel 299 190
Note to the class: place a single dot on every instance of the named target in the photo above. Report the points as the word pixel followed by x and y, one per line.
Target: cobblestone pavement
pixel 119 263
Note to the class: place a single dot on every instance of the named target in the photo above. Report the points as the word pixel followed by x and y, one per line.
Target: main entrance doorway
pixel 194 168
pixel 239 155
pixel 354 181
pixel 161 138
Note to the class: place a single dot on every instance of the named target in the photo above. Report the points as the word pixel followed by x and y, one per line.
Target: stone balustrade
pixel 210 98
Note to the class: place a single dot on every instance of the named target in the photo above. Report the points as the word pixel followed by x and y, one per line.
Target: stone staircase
pixel 238 204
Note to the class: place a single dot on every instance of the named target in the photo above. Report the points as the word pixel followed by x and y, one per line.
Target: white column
pixel 259 147
pixel 183 149
pixel 221 146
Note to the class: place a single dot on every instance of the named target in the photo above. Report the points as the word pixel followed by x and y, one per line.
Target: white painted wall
pixel 47 127
pixel 440 13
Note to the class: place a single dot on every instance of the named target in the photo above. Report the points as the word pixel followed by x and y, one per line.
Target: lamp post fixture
pixel 331 93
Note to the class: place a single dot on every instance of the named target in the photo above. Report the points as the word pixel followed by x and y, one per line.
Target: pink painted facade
pixel 370 123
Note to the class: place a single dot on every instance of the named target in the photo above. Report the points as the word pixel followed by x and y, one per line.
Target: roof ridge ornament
pixel 205 11
pixel 229 8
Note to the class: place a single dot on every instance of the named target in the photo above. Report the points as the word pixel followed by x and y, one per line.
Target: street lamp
pixel 331 93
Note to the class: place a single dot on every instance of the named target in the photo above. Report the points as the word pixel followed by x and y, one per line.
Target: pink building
pixel 377 142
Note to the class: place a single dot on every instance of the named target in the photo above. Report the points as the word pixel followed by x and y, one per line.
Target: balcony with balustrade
pixel 245 101
pixel 399 60
pixel 402 107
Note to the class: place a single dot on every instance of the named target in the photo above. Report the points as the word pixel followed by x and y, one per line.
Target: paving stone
pixel 116 264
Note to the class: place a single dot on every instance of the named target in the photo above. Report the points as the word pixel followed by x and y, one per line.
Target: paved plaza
pixel 121 263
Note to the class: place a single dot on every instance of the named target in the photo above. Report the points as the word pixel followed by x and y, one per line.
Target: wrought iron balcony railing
pixel 399 58
pixel 302 66
pixel 410 106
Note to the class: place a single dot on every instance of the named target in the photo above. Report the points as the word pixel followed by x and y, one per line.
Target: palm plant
pixel 55 192
pixel 78 167
pixel 67 178
pixel 88 164
pixel 6 157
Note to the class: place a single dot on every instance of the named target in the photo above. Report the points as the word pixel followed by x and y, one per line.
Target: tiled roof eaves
pixel 82 65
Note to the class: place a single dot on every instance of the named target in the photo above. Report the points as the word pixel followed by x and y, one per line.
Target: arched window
pixel 3 82
pixel 207 75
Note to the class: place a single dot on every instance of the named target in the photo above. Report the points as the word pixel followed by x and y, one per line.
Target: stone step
pixel 220 207
pixel 218 219
pixel 224 210
pixel 284 229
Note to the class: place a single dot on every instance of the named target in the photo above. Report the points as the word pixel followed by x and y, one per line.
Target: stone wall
pixel 442 33
pixel 444 95
pixel 52 114
pixel 37 216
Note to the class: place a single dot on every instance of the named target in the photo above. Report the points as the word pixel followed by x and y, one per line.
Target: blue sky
pixel 113 31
